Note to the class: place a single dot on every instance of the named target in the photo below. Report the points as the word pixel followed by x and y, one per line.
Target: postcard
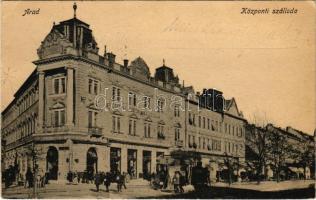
pixel 158 99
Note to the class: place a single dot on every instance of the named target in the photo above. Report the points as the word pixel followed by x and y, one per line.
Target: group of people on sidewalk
pixel 199 178
pixel 100 178
pixel 111 177
pixel 13 176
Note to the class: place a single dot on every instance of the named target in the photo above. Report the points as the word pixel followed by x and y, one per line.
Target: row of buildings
pixel 79 110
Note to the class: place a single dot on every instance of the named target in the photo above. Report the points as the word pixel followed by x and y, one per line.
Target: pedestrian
pixel 75 177
pixel 124 180
pixel 176 181
pixel 6 178
pixel 29 177
pixel 97 180
pixel 119 180
pixel 79 177
pixel 107 181
pixel 182 183
pixel 197 177
pixel 152 178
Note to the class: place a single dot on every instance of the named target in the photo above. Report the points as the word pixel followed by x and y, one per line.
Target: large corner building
pixel 69 111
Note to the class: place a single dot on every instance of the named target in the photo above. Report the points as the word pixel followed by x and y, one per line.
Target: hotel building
pixel 79 110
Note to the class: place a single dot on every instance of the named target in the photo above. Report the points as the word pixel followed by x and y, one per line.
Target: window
pixel 204 144
pixel 177 111
pixel 116 124
pixel 160 105
pixel 220 126
pixel 208 124
pixel 92 119
pixel 59 117
pixel 216 145
pixel 146 101
pixel 160 131
pixel 190 119
pixel 203 122
pixel 59 85
pixel 116 94
pixel 132 127
pixel 131 99
pixel 216 125
pixel 177 134
pixel 147 130
pixel 229 147
pixel 194 119
pixel 94 86
pixel 213 125
pixel 200 121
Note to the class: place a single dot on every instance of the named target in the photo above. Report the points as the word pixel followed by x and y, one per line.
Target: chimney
pixel 111 58
pixel 125 63
pixel 105 56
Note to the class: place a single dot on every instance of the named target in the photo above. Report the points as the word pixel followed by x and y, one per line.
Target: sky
pixel 266 62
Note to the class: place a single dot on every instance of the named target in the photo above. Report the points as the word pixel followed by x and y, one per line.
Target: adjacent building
pixel 289 151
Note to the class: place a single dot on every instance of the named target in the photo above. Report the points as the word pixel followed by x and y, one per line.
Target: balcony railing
pixel 95 131
pixel 55 129
pixel 179 143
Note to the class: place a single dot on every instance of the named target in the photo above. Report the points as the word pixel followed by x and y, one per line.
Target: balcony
pixel 55 129
pixel 179 143
pixel 95 131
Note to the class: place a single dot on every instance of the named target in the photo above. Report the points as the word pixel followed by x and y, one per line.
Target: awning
pixel 165 160
pixel 297 170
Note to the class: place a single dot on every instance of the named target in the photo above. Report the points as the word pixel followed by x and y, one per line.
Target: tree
pixel 34 152
pixel 256 138
pixel 278 150
pixel 231 164
pixel 305 157
pixel 257 144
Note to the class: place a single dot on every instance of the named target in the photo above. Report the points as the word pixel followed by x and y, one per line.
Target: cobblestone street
pixel 141 189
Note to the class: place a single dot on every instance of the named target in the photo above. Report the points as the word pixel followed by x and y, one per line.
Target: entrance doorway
pixel 132 163
pixel 147 164
pixel 115 159
pixel 92 162
pixel 52 163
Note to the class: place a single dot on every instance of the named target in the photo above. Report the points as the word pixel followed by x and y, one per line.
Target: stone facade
pixel 84 111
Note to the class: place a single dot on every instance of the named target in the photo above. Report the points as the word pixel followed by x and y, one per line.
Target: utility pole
pixel 34 171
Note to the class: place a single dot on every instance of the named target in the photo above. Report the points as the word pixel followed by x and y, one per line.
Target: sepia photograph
pixel 158 99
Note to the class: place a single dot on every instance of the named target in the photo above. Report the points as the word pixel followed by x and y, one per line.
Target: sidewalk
pixel 268 186
pixel 139 188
